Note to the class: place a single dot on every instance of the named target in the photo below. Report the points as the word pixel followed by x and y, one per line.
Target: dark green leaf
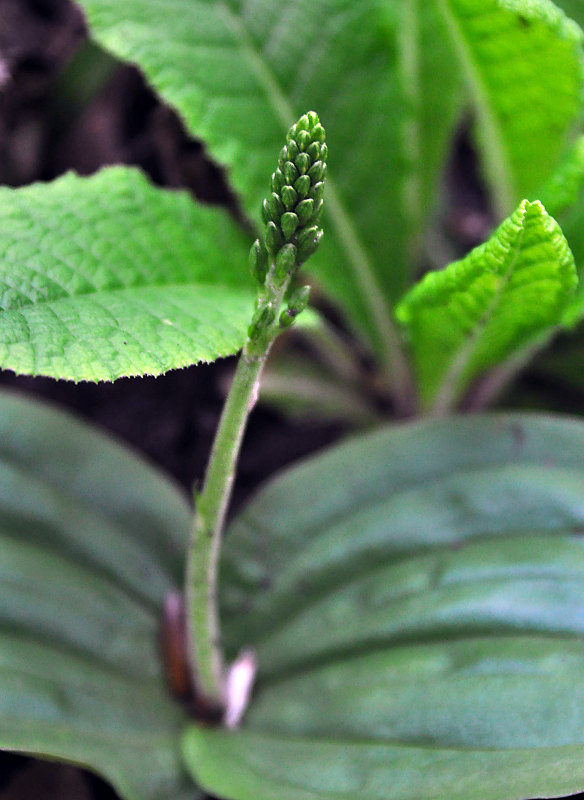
pixel 415 598
pixel 91 540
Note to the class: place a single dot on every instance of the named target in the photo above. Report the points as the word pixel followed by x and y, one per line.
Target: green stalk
pixel 206 653
pixel 202 563
pixel 291 235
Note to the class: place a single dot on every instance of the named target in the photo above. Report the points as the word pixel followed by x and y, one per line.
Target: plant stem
pixel 201 591
pixel 202 563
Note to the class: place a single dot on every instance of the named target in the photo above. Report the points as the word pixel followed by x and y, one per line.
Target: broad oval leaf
pixel 508 294
pixel 91 540
pixel 388 80
pixel 109 276
pixel 415 599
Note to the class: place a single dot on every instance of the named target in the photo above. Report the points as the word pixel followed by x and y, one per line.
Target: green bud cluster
pixel 291 212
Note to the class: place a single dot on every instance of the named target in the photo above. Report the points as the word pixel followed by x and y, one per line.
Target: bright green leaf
pixel 522 60
pixel 386 79
pixel 414 597
pixel 506 295
pixel 108 276
pixel 241 73
pixel 91 540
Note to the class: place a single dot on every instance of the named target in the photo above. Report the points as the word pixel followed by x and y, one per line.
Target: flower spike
pixel 292 210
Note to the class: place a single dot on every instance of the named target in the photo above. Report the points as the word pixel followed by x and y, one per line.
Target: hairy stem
pixel 202 564
pixel 204 630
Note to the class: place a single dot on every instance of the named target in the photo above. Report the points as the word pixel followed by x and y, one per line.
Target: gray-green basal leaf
pixel 415 599
pixel 91 540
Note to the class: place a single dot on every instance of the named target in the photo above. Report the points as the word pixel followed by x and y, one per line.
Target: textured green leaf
pixel 386 79
pixel 91 540
pixel 522 61
pixel 108 276
pixel 506 295
pixel 414 597
pixel 241 73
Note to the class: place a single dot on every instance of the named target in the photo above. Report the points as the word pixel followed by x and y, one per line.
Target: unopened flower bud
pixel 314 151
pixel 296 305
pixel 289 224
pixel 302 162
pixel 274 238
pixel 319 134
pixel 258 262
pixel 289 197
pixel 266 213
pixel 303 138
pixel 317 171
pixel 290 173
pixel 285 262
pixel 299 300
pixel 302 186
pixel 304 211
pixel 262 319
pixel 278 180
pixel 276 206
pixel 317 191
pixel 291 211
pixel 309 244
pixel 292 150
